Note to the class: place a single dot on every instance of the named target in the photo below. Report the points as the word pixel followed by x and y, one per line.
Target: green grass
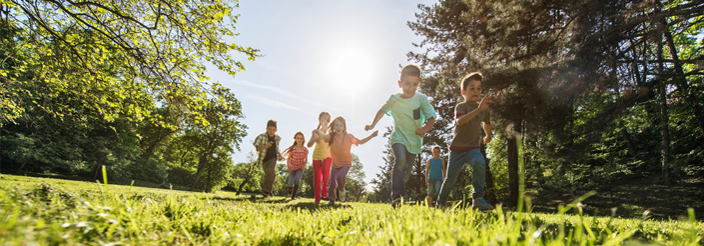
pixel 51 212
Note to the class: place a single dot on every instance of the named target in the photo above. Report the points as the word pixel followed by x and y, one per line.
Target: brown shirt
pixel 467 136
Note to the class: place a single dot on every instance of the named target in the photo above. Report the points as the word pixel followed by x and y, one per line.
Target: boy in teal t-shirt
pixel 413 117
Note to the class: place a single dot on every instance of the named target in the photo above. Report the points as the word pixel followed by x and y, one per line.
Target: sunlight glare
pixel 353 71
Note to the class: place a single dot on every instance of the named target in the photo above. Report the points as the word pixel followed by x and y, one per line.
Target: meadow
pixel 43 211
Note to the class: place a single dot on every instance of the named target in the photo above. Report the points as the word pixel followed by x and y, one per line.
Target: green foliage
pixel 45 211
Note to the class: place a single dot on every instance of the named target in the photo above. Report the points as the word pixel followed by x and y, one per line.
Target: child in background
pixel 410 111
pixel 464 148
pixel 340 145
pixel 296 163
pixel 267 144
pixel 321 158
pixel 434 175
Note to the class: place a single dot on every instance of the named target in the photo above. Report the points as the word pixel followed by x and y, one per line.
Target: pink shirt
pixel 296 159
pixel 340 150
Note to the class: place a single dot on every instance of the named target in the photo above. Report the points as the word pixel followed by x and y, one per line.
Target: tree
pixel 247 173
pixel 222 131
pixel 159 47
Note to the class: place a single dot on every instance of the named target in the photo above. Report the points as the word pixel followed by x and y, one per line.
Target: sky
pixel 342 57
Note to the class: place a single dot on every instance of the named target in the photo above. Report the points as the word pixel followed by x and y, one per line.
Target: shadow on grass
pixel 311 206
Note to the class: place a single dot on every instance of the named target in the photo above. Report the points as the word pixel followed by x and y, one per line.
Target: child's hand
pixel 269 144
pixel 421 132
pixel 486 101
pixel 487 139
pixel 375 133
pixel 368 127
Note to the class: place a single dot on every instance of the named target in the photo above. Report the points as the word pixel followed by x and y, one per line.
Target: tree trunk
pixel 239 190
pixel 680 79
pixel 629 143
pixel 664 117
pixel 201 166
pixel 489 187
pixel 512 169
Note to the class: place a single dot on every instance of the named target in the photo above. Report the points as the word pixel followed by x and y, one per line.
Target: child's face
pixel 300 139
pixel 325 120
pixel 337 126
pixel 271 130
pixel 436 152
pixel 409 84
pixel 473 91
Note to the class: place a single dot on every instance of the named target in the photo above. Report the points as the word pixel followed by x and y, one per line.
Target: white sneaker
pixel 343 195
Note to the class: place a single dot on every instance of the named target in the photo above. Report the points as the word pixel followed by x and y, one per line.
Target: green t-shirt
pixel 409 115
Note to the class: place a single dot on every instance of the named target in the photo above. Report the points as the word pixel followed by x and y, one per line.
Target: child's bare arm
pixel 313 139
pixel 487 130
pixel 426 128
pixel 377 117
pixel 484 104
pixel 369 138
pixel 427 170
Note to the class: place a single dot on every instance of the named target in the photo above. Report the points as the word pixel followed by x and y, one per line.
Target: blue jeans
pixel 294 177
pixel 458 158
pixel 402 169
pixel 434 187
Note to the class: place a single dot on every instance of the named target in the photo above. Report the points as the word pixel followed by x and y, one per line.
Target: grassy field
pixel 42 211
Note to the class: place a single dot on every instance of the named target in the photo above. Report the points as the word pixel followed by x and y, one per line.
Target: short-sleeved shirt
pixel 467 136
pixel 409 114
pixel 435 171
pixel 321 150
pixel 262 139
pixel 296 159
pixel 340 150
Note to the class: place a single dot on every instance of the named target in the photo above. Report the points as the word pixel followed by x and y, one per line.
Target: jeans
pixel 321 176
pixel 337 181
pixel 402 169
pixel 294 177
pixel 458 158
pixel 434 187
pixel 269 167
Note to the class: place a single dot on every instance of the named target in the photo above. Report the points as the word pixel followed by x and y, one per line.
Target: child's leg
pixel 457 161
pixel 327 162
pixel 476 160
pixel 402 169
pixel 317 176
pixel 342 178
pixel 298 174
pixel 269 175
pixel 333 184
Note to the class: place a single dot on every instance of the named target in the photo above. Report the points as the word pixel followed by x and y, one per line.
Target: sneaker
pixel 265 195
pixel 397 201
pixel 343 195
pixel 293 198
pixel 481 205
pixel 317 201
pixel 331 203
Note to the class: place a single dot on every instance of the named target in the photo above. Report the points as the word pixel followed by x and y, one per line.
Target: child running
pixel 267 145
pixel 435 173
pixel 410 111
pixel 296 163
pixel 321 158
pixel 464 148
pixel 340 145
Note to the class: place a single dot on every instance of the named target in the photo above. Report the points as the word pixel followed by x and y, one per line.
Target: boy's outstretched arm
pixel 484 104
pixel 369 138
pixel 313 139
pixel 426 128
pixel 377 117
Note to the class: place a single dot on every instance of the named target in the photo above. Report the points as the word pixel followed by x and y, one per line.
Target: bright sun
pixel 353 71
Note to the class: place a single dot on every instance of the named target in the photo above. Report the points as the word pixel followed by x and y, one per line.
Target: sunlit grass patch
pixel 46 211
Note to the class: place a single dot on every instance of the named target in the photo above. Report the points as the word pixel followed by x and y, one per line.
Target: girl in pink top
pixel 321 158
pixel 297 156
pixel 340 145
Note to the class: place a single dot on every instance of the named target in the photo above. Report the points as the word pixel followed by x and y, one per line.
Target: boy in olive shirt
pixel 465 145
